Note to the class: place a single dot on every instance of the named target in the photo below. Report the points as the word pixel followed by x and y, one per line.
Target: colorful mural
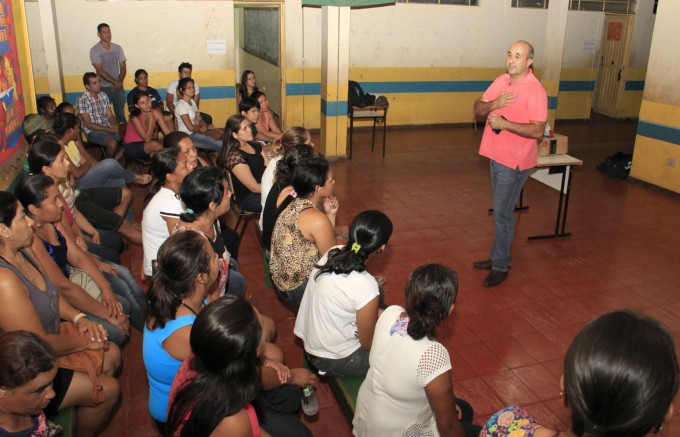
pixel 11 95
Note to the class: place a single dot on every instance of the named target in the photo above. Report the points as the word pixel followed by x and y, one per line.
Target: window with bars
pixel 444 2
pixel 620 6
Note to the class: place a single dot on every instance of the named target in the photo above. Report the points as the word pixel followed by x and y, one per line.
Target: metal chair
pixel 242 214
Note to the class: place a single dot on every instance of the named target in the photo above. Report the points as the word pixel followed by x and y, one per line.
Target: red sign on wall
pixel 614 31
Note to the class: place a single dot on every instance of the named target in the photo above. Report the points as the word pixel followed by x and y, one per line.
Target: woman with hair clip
pixel 620 378
pixel 162 211
pixel 304 230
pixel 89 172
pixel 187 269
pixel 189 118
pixel 247 87
pixel 103 207
pixel 205 195
pixel 214 387
pixel 339 309
pixel 408 390
pixel 292 136
pixel 29 301
pixel 66 265
pixel 142 130
pixel 279 196
pixel 246 161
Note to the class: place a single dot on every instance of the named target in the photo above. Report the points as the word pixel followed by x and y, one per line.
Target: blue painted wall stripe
pixel 303 89
pixel 577 85
pixel 661 132
pixel 635 85
pixel 207 92
pixel 552 102
pixel 334 109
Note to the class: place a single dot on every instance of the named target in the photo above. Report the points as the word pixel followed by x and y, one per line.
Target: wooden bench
pixel 345 389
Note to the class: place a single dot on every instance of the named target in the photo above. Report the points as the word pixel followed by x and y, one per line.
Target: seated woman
pixel 187 268
pixel 29 367
pixel 620 378
pixel 142 130
pixel 303 232
pixel 103 207
pixel 226 340
pixel 90 173
pixel 266 126
pixel 162 211
pixel 142 81
pixel 405 349
pixel 205 195
pixel 279 196
pixel 246 161
pixel 339 309
pixel 42 202
pixel 189 118
pixel 183 142
pixel 29 302
pixel 291 137
pixel 247 87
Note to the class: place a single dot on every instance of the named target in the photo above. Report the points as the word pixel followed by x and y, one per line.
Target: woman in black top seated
pixel 245 160
pixel 279 196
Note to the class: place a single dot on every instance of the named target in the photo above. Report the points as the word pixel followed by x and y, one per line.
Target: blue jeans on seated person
pixel 236 284
pixel 126 288
pixel 201 140
pixel 106 173
pixel 506 186
pixel 100 137
pixel 294 296
pixel 115 335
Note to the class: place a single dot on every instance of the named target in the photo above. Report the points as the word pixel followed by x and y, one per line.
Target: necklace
pixel 23 270
pixel 189 308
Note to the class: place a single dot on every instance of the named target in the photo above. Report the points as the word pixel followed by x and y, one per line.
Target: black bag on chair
pixel 357 97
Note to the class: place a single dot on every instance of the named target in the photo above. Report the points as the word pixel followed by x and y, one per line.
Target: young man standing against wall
pixel 99 123
pixel 516 107
pixel 109 61
pixel 184 70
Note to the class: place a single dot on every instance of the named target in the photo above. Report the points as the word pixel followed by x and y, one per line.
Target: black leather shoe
pixel 482 265
pixel 494 278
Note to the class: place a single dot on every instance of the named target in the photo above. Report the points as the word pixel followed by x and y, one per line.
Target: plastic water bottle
pixel 310 405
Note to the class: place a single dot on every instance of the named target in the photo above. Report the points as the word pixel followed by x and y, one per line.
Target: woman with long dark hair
pixel 212 391
pixel 30 302
pixel 247 87
pixel 245 160
pixel 189 118
pixel 205 195
pixel 339 309
pixel 304 230
pixel 142 130
pixel 187 268
pixel 162 211
pixel 405 349
pixel 620 378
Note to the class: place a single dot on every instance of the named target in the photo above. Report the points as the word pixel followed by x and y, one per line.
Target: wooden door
pixel 614 56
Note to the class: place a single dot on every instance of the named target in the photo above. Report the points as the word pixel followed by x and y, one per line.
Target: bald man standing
pixel 516 108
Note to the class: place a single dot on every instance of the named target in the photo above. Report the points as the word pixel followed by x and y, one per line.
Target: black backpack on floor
pixel 617 165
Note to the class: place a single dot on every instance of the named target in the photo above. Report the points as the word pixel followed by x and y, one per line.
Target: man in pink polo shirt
pixel 516 107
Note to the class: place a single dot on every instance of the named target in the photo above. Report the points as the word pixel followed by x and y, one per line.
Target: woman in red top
pixel 140 136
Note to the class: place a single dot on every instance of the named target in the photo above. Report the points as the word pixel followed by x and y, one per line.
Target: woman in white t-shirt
pixel 339 309
pixel 408 390
pixel 189 118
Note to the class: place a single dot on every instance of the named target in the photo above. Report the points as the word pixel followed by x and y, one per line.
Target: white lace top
pixel 392 399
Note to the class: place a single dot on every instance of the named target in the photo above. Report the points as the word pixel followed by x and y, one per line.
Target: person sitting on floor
pixel 47 108
pixel 245 160
pixel 30 302
pixel 186 269
pixel 339 309
pixel 142 131
pixel 266 126
pixel 304 231
pixel 406 350
pixel 620 378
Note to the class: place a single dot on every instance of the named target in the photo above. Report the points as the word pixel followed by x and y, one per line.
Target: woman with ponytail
pixel 408 389
pixel 339 309
pixel 620 377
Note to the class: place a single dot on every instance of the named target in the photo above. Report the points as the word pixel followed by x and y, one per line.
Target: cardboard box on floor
pixel 556 145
